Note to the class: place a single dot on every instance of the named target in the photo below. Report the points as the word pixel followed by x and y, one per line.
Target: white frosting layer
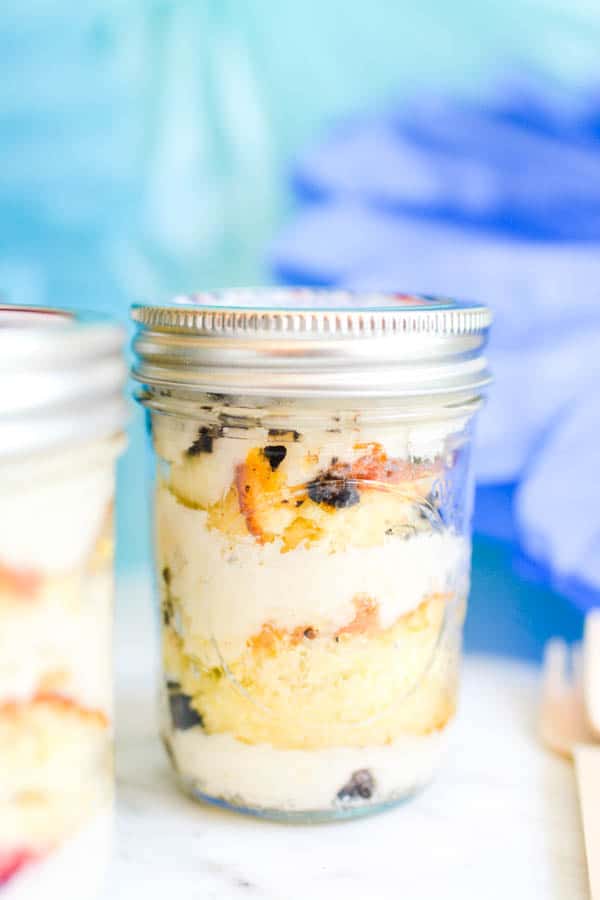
pixel 51 525
pixel 301 780
pixel 228 590
pixel 38 639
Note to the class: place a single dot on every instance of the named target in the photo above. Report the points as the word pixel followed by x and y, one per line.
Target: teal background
pixel 145 149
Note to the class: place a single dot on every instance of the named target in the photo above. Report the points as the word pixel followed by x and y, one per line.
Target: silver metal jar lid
pixel 62 375
pixel 287 342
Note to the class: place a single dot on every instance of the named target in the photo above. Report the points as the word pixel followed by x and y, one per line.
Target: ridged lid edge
pixel 430 316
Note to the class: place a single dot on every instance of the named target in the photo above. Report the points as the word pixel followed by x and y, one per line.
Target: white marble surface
pixel 501 821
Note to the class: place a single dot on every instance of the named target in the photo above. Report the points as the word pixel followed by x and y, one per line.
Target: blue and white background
pixel 153 146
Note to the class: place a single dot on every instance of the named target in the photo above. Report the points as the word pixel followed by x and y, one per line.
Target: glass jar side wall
pixel 313 570
pixel 56 601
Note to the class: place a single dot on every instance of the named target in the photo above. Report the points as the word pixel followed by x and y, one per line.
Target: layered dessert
pixel 312 585
pixel 56 549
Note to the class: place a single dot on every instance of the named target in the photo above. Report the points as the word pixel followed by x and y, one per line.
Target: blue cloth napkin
pixel 498 201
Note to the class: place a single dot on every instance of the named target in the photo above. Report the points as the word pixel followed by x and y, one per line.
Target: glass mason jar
pixel 313 499
pixel 61 419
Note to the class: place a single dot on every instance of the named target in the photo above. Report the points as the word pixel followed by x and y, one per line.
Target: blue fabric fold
pixel 498 201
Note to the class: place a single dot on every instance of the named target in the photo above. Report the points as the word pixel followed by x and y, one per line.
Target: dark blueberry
pixel 334 491
pixel 204 441
pixel 183 714
pixel 286 433
pixel 275 455
pixel 360 786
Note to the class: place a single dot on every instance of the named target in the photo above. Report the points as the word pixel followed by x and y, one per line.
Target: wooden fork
pixel 565 728
pixel 591 669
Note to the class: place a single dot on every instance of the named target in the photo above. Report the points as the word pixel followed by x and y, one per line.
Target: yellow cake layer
pixel 55 769
pixel 24 594
pixel 262 502
pixel 22 590
pixel 303 690
pixel 59 640
pixel 40 821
